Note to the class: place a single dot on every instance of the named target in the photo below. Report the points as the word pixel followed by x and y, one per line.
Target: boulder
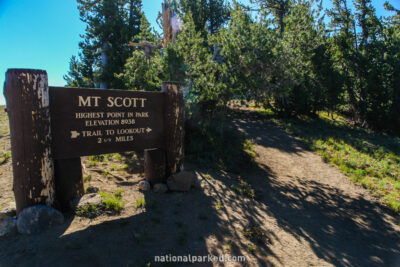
pixel 160 188
pixel 87 200
pixel 181 181
pixel 36 219
pixel 92 189
pixel 8 211
pixel 144 185
pixel 8 227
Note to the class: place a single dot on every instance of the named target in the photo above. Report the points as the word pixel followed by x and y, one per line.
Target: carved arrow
pixel 148 130
pixel 74 134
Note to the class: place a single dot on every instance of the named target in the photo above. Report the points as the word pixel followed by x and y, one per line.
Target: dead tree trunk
pixel 174 126
pixel 27 95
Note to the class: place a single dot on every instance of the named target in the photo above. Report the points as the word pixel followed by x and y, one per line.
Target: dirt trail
pixel 311 213
pixel 319 217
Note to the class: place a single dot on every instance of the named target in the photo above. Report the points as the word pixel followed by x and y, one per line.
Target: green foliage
pixel 140 203
pixel 205 80
pixel 146 32
pixel 117 156
pixel 141 74
pixel 370 159
pixel 285 57
pixel 300 51
pixel 207 176
pixel 118 193
pixel 206 14
pixel 255 234
pixel 280 10
pixel 89 211
pixel 100 158
pixel 244 189
pixel 113 202
pixel 366 61
pixel 110 26
pixel 247 50
pixel 5 157
pixel 251 249
pixel 87 178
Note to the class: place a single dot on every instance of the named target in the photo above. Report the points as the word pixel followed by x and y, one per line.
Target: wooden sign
pixel 93 121
pixel 51 127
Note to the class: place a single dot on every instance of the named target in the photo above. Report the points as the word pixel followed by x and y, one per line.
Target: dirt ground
pixel 311 213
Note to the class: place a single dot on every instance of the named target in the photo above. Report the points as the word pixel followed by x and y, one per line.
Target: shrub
pixel 113 202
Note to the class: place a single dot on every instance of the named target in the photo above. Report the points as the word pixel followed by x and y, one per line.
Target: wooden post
pixel 154 166
pixel 174 126
pixel 27 96
pixel 69 182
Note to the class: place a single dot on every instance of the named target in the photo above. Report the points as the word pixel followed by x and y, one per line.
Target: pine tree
pixel 139 72
pixel 209 14
pixel 344 49
pixel 392 67
pixel 111 24
pixel 279 8
pixel 247 51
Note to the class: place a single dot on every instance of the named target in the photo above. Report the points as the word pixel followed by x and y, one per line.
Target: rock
pixel 8 211
pixel 160 188
pixel 35 219
pixel 87 200
pixel 144 186
pixel 181 181
pixel 8 227
pixel 92 189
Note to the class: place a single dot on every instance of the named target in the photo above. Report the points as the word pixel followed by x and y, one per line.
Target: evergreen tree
pixel 279 8
pixel 344 49
pixel 369 62
pixel 392 68
pixel 111 24
pixel 139 72
pixel 205 79
pixel 301 53
pixel 209 14
pixel 247 51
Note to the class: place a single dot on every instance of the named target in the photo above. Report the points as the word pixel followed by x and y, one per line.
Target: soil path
pixel 315 215
pixel 311 213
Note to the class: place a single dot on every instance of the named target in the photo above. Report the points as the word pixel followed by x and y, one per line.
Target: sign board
pixel 94 121
pixel 52 127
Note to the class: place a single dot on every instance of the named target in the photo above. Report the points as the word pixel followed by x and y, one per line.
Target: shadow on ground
pixel 342 230
pixel 338 229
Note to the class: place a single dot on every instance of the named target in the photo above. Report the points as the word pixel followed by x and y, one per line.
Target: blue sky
pixel 44 34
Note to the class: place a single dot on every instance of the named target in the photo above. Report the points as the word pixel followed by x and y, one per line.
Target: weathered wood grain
pixel 27 95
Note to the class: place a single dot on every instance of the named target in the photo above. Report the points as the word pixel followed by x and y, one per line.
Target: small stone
pixel 8 211
pixel 181 181
pixel 8 227
pixel 144 186
pixel 91 189
pixel 36 219
pixel 160 188
pixel 87 200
